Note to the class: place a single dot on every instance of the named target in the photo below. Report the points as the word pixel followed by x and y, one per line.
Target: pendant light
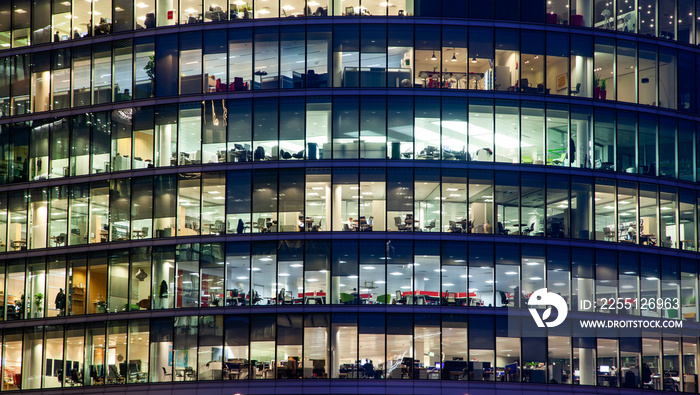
pixel 433 57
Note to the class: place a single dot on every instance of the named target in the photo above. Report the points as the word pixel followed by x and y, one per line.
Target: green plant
pixel 531 365
pixel 603 84
pixel 596 81
pixel 39 302
pixel 151 68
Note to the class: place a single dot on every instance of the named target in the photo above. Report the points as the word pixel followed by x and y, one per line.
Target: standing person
pixel 60 302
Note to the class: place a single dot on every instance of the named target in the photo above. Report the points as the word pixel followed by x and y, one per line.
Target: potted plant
pixel 596 86
pixel 151 72
pixel 39 303
pixel 603 91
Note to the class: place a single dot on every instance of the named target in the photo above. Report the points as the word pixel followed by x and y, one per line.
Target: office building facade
pixel 274 196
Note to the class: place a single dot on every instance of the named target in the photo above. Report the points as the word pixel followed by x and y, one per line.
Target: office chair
pixel 451 298
pixel 285 154
pixel 219 227
pixel 133 372
pixel 261 225
pixel 530 229
pixel 75 377
pixel 255 298
pixel 346 298
pixel 453 227
pixel 670 384
pixel 524 85
pixel 362 223
pixel 504 298
pixel 190 373
pixel 384 299
pixel 346 228
pixel 431 226
pixel 259 153
pixel 399 224
pixel 11 312
pixel 577 91
pixel 112 374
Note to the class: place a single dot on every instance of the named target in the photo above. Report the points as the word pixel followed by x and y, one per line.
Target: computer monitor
pixel 437 365
pixel 604 369
pixel 577 373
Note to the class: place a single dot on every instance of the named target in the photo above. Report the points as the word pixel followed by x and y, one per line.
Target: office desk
pixel 217 229
pixel 606 380
pixel 464 224
pixel 19 244
pixel 312 298
pixel 264 374
pixel 414 222
pixel 435 297
pixel 186 373
pixel 216 15
pixel 56 241
pixel 647 239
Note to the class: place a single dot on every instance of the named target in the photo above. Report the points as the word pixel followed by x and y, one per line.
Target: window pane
pixel 123 64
